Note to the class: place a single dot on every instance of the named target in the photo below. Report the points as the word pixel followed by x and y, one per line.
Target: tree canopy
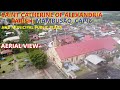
pixel 2 34
pixel 24 38
pixel 38 58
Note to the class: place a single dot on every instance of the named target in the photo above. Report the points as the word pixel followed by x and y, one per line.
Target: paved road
pixel 54 72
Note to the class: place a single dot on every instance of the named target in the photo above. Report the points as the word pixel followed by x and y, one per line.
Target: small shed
pixel 94 61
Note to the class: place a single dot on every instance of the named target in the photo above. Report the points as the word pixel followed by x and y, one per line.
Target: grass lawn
pixel 8 68
pixel 7 60
pixel 21 55
pixel 82 71
pixel 22 64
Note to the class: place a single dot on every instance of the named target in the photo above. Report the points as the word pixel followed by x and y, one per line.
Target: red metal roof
pixel 88 37
pixel 85 47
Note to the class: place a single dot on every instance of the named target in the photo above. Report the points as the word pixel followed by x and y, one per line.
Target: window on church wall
pixel 66 59
pixel 101 51
pixel 76 57
pixel 72 59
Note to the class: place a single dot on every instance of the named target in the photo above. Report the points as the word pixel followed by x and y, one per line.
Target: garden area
pixel 8 65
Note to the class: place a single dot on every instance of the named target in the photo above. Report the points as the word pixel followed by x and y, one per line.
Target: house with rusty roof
pixel 63 40
pixel 34 37
pixel 6 52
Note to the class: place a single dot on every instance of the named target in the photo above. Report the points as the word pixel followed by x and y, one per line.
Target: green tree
pixel 2 34
pixel 9 20
pixel 16 50
pixel 15 33
pixel 32 49
pixel 0 56
pixel 38 58
pixel 24 38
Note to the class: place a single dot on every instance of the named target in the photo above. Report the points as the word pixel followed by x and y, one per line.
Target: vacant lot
pixel 83 70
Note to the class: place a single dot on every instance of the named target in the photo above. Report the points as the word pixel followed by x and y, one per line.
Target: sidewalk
pixel 48 74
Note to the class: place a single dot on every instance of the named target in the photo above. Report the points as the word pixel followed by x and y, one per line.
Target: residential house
pixel 63 40
pixel 6 52
pixel 14 38
pixel 34 37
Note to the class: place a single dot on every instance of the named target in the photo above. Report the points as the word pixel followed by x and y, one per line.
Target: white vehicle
pixel 112 33
pixel 42 34
pixel 104 34
pixel 8 33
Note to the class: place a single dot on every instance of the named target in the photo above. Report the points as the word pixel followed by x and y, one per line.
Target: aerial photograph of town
pixel 88 48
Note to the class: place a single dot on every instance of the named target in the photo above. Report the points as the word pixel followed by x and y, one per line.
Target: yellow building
pixel 76 52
